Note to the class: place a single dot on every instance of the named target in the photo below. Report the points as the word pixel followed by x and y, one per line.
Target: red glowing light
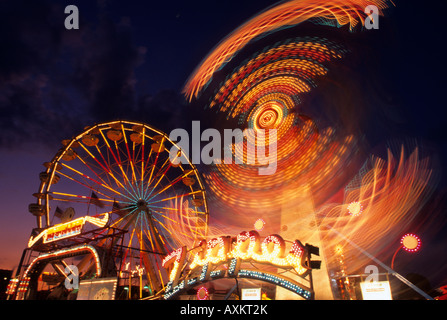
pixel 202 293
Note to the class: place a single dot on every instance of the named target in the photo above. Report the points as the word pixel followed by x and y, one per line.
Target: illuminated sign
pixel 251 294
pixel 64 230
pixel 231 252
pixel 67 229
pixel 97 289
pixel 376 290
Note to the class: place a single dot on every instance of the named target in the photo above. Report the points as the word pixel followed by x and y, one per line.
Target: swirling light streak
pixel 286 14
pixel 391 192
pixel 310 162
pixel 265 93
pixel 287 68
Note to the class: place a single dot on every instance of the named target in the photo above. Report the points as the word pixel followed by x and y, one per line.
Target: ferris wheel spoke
pixel 81 174
pixel 148 160
pixel 174 209
pixel 117 222
pixel 129 244
pixel 81 197
pixel 97 182
pixel 160 213
pixel 167 161
pixel 117 160
pixel 148 234
pixel 124 174
pixel 142 158
pixel 153 168
pixel 68 200
pixel 130 159
pixel 138 183
pixel 81 183
pixel 149 180
pixel 120 164
pixel 170 185
pixel 149 272
pixel 158 241
pixel 155 164
pixel 92 156
pixel 159 180
pixel 174 221
pixel 168 230
pixel 106 170
pixel 88 166
pixel 178 196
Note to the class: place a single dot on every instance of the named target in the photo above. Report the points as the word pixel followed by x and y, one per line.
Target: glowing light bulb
pixel 202 293
pixel 411 242
pixel 259 224
pixel 355 208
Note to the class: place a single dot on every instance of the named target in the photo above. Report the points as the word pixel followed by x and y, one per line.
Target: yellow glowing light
pixel 68 229
pixel 248 247
pixel 259 224
pixel 177 259
pixel 338 249
pixel 355 208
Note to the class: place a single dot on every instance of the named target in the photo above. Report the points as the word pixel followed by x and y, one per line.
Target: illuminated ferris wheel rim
pixel 69 143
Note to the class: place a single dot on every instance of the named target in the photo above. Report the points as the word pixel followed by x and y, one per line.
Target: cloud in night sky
pixel 54 82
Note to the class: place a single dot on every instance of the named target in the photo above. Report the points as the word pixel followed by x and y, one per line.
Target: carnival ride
pixel 139 207
pixel 137 200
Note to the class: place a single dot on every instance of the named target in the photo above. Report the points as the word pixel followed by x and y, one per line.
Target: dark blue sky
pixel 130 60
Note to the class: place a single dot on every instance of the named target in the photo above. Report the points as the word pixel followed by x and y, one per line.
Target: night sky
pixel 130 59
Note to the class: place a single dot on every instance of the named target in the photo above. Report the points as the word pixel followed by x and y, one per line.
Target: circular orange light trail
pixel 329 12
pixel 269 91
pixel 263 93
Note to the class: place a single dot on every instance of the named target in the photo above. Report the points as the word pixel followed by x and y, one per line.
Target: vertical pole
pixel 129 296
pixel 141 285
pixel 311 282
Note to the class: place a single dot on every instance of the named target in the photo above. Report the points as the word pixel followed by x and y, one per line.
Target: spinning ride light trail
pixel 285 14
pixel 264 93
pixel 268 91
pixel 390 194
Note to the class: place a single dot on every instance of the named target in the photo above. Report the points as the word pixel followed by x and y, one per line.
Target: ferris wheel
pixel 130 174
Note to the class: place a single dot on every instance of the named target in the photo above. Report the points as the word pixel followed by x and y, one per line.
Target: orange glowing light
pixel 259 224
pixel 338 12
pixel 411 242
pixel 355 208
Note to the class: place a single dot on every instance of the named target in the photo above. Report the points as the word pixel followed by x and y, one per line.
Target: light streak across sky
pixel 334 12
